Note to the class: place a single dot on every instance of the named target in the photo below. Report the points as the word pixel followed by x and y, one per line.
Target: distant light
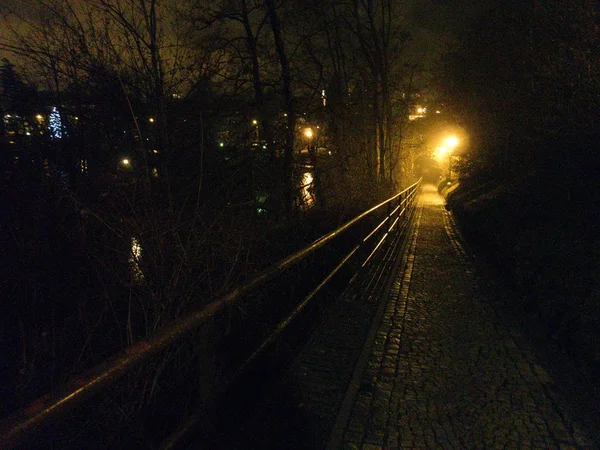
pixel 155 151
pixel 451 141
pixel 125 162
pixel 151 119
pixel 438 112
pixel 441 151
pixel 421 110
pixel 27 133
pixel 221 144
pixel 135 257
pixel 39 117
pixel 264 146
pixel 55 123
pixel 155 172
pixel 308 133
pixel 8 116
pixel 255 122
pixel 76 118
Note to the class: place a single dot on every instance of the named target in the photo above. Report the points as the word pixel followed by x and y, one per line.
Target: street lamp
pixel 308 132
pixel 450 143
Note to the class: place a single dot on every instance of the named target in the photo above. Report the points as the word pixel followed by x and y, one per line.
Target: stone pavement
pixel 446 370
pixel 300 410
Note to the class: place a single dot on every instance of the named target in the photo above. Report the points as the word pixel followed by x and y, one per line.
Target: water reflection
pixel 135 256
pixel 307 190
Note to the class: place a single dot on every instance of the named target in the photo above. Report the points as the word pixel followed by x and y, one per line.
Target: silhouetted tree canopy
pixel 525 81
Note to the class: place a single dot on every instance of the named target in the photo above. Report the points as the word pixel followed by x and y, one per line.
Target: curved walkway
pixel 445 370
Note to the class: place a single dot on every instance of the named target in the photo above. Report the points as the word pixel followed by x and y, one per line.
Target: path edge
pixel 337 433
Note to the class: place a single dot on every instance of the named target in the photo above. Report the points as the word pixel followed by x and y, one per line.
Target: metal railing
pixel 47 409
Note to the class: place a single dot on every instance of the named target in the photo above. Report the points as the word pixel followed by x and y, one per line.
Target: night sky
pixel 433 24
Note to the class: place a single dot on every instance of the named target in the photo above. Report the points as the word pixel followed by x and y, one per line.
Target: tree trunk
pixel 288 157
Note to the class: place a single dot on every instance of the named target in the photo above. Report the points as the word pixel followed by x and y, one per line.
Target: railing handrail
pixel 45 409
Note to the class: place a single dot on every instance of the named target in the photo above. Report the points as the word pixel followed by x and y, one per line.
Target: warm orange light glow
pixel 125 162
pixel 308 133
pixel 307 193
pixel 151 119
pixel 451 141
pixel 440 153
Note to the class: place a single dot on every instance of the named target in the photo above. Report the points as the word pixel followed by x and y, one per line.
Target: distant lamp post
pixel 256 133
pixel 308 132
pixel 450 144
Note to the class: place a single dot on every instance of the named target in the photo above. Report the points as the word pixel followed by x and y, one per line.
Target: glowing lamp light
pixel 451 141
pixel 255 122
pixel 221 144
pixel 39 117
pixel 151 119
pixel 125 162
pixel 308 133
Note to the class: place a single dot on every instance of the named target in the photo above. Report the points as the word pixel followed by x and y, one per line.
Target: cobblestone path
pixel 445 370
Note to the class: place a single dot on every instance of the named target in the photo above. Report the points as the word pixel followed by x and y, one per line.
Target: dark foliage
pixel 525 83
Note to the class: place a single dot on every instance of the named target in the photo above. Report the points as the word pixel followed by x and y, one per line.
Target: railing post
pixel 401 198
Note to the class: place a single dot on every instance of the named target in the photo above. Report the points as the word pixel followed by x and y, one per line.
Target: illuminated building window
pixel 83 165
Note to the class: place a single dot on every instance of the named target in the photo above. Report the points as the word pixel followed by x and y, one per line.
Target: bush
pixel 522 228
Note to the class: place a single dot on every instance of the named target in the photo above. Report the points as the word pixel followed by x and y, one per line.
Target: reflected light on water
pixel 134 261
pixel 308 198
